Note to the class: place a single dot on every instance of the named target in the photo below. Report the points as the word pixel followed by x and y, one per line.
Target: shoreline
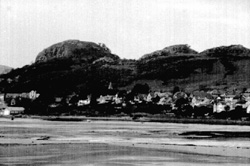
pixel 146 119
pixel 142 119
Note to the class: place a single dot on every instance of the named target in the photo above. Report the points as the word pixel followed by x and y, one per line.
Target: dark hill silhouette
pixel 87 67
pixel 70 66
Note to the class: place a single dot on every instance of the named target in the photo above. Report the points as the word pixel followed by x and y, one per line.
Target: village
pixel 138 102
pixel 9 105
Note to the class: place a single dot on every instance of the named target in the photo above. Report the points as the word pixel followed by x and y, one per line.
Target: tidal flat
pixel 122 143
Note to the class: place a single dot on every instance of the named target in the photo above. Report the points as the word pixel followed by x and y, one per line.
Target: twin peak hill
pixel 87 67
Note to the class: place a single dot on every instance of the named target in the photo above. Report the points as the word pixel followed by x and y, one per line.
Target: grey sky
pixel 130 28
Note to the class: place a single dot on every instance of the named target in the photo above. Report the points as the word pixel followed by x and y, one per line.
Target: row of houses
pixel 215 99
pixel 218 100
pixel 8 102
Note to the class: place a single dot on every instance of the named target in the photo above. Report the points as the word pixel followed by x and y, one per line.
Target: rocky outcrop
pixel 237 51
pixel 171 50
pixel 69 48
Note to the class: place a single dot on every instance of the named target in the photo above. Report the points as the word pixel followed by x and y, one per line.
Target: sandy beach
pixel 40 142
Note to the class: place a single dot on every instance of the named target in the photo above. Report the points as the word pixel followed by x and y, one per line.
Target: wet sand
pixel 39 142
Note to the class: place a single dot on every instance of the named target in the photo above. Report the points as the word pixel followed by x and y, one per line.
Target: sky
pixel 130 28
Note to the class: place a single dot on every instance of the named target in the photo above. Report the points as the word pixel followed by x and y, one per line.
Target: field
pixel 122 143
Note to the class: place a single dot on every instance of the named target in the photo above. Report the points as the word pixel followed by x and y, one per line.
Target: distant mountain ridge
pixel 86 67
pixel 5 69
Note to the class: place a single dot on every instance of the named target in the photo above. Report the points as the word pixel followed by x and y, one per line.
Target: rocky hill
pixel 237 51
pixel 219 67
pixel 70 48
pixel 85 67
pixel 70 67
pixel 171 50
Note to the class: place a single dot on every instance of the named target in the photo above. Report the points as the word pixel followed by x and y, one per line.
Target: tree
pixel 176 89
pixel 141 88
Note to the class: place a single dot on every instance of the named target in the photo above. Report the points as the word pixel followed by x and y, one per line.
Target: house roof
pixel 178 95
pixel 202 94
pixel 163 94
pixel 16 109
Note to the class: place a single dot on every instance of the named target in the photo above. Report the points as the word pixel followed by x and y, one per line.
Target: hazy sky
pixel 130 28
